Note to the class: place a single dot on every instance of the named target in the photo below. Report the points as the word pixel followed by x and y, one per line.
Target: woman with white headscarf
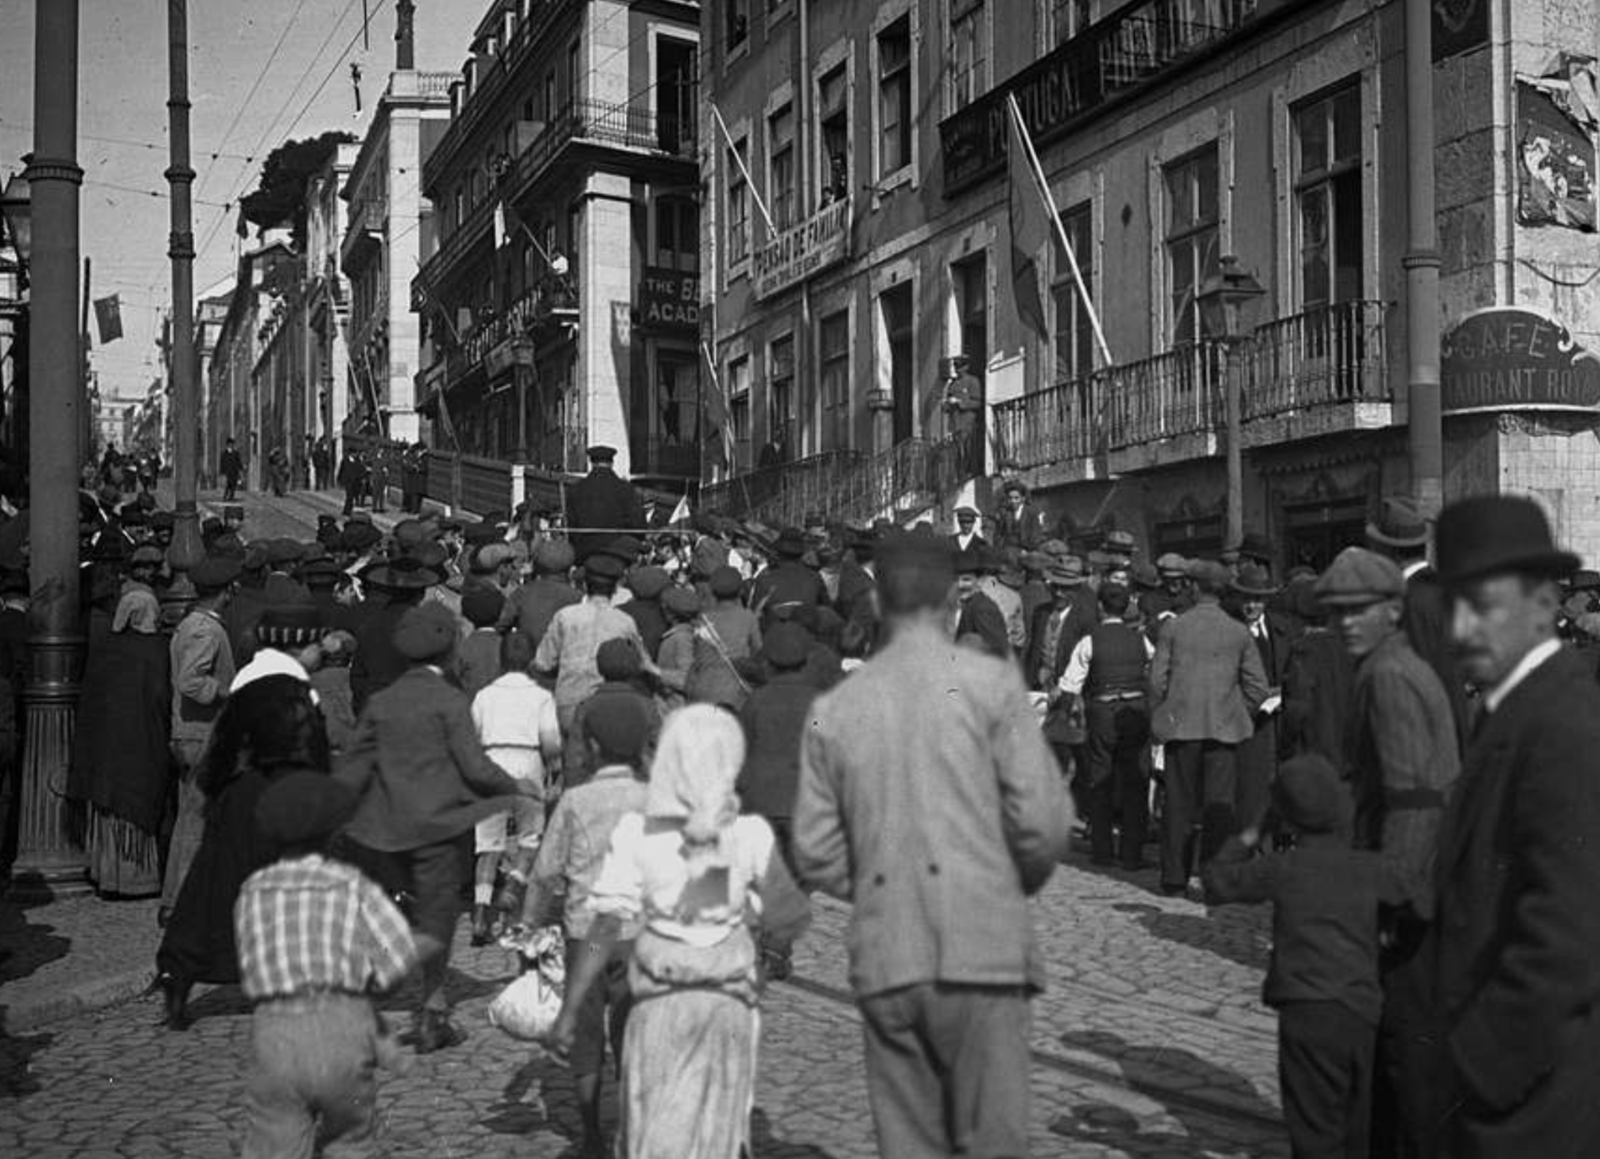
pixel 698 877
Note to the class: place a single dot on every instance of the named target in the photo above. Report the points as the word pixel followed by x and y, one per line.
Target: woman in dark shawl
pixel 268 727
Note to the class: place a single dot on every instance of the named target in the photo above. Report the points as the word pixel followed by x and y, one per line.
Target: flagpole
pixel 749 181
pixel 1037 172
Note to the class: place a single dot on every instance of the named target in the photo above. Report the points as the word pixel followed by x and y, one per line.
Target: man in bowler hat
pixel 1515 943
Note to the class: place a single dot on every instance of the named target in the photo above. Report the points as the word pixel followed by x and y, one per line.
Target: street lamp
pixel 1227 301
pixel 16 207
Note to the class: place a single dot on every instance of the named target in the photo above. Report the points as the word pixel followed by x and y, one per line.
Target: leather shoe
pixel 175 997
pixel 435 1031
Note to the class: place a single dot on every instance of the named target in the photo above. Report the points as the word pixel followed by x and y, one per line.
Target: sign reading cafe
pixel 1509 359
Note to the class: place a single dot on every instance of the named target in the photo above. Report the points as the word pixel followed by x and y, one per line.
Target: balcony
pixel 663 458
pixel 1314 373
pixel 634 128
pixel 783 494
pixel 1110 60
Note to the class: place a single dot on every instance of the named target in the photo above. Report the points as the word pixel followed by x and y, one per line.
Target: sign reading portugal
pixel 1510 359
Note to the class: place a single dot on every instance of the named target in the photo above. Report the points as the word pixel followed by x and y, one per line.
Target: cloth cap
pixel 965 512
pixel 320 572
pixel 618 659
pixel 1310 796
pixel 1067 571
pixel 600 453
pixel 725 582
pixel 303 808
pixel 213 573
pixel 708 555
pixel 358 537
pixel 490 556
pixel 1359 576
pixel 1119 542
pixel 282 551
pixel 1497 533
pixel 256 556
pixel 408 533
pixel 552 556
pixel 426 632
pixel 603 565
pixel 624 547
pixel 681 601
pixel 1016 485
pixel 619 725
pixel 146 553
pixel 786 646
pixel 647 583
pixel 1055 548
pixel 481 605
pixel 1207 571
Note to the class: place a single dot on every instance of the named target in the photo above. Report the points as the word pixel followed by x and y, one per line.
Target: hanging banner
pixel 1555 164
pixel 1509 359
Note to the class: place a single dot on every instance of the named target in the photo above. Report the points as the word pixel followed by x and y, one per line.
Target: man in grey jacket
pixel 929 799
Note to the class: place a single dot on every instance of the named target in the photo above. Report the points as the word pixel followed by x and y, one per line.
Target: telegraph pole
pixel 186 549
pixel 49 860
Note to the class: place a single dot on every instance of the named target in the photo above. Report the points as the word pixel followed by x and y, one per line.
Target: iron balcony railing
pixel 1327 355
pixel 636 125
pixel 435 271
pixel 1172 394
pixel 782 494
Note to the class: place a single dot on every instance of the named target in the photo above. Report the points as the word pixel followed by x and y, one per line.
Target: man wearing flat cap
pixel 202 669
pixel 601 505
pixel 1206 681
pixel 1403 768
pixel 967 538
pixel 532 606
pixel 423 782
pixel 1515 942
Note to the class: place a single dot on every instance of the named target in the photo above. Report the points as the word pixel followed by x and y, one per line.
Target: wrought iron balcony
pixel 1328 355
pixel 635 127
pixel 783 494
pixel 1110 59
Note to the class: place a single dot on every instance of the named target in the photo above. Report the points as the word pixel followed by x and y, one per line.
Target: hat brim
pixel 1553 564
pixel 387 578
pixel 1254 592
pixel 1377 535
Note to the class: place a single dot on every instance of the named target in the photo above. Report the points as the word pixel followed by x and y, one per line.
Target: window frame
pixel 834 400
pixel 976 15
pixel 903 74
pixel 1188 236
pixel 739 225
pixel 1081 359
pixel 1334 173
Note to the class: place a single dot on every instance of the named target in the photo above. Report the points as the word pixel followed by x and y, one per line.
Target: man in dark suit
pixel 976 614
pixel 967 540
pixel 1059 625
pixel 1401 533
pixel 1515 943
pixel 601 500
pixel 1206 682
pixel 1258 755
pixel 789 583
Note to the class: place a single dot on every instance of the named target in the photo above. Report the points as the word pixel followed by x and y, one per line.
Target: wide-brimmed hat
pixel 1400 524
pixel 1359 576
pixel 1491 534
pixel 1255 582
pixel 403 574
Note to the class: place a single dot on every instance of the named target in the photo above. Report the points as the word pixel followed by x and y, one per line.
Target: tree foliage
pixel 280 196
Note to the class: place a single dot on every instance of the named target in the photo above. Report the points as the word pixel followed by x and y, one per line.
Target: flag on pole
pixel 1030 226
pixel 499 225
pixel 715 413
pixel 108 316
pixel 680 513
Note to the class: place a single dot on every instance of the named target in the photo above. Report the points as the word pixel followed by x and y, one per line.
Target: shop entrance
pixel 1319 531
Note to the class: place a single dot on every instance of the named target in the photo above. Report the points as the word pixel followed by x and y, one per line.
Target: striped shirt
pixel 314 924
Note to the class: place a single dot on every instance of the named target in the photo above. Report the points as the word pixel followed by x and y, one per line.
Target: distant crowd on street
pixel 323 756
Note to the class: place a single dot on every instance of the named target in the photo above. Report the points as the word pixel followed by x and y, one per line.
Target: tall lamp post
pixel 1227 301
pixel 49 860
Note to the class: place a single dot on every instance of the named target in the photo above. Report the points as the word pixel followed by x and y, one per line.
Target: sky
pixel 260 72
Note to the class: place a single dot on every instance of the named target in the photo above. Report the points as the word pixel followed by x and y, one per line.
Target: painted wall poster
pixel 1555 164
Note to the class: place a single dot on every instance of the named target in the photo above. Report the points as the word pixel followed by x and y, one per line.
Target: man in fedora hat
pixel 1206 682
pixel 1515 943
pixel 1403 767
pixel 396 586
pixel 1253 589
pixel 1058 625
pixel 975 614
pixel 1019 523
pixel 1401 532
pixel 601 500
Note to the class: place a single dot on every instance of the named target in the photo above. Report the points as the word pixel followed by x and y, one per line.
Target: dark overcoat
pixel 601 499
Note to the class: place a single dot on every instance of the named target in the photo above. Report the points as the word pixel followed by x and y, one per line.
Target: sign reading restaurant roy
pixel 1511 359
pixel 797 253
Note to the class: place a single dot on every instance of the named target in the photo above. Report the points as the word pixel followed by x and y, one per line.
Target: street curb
pixel 81 998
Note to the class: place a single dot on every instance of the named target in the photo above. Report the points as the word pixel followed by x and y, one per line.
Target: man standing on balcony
pixel 601 500
pixel 963 408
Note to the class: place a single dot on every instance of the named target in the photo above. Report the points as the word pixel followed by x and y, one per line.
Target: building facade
pixel 382 248
pixel 330 384
pixel 560 289
pixel 209 314
pixel 1172 133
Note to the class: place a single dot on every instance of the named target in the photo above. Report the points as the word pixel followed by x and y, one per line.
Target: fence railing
pixel 781 494
pixel 1330 354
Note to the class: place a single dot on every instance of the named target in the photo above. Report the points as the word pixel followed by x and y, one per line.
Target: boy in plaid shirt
pixel 316 938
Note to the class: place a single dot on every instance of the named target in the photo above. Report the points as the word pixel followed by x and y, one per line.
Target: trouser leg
pixel 1132 789
pixel 1182 780
pixel 1325 1072
pixel 1218 820
pixel 903 1081
pixel 980 1036
pixel 1100 720
pixel 437 873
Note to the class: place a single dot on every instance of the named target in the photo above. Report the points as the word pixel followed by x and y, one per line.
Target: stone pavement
pixel 1150 1042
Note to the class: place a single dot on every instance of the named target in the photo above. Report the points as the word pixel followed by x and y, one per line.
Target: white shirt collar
pixel 1413 568
pixel 1525 667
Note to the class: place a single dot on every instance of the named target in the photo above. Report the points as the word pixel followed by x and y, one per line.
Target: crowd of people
pixel 660 741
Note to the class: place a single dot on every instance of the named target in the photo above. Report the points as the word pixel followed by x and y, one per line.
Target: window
pixel 833 121
pixel 899 328
pixel 894 97
pixel 1192 204
pixel 739 410
pixel 550 95
pixel 780 398
pixel 574 77
pixel 780 167
pixel 833 343
pixel 971 278
pixel 966 51
pixel 677 234
pixel 1068 18
pixel 460 214
pixel 738 21
pixel 738 205
pixel 1327 195
pixel 1074 332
